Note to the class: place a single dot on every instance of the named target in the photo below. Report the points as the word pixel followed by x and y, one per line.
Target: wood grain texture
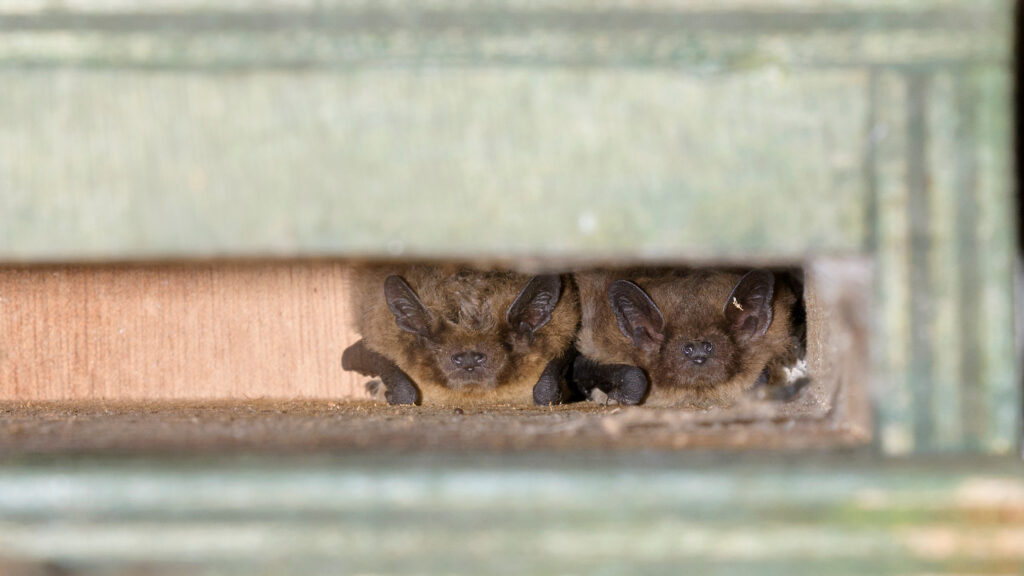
pixel 175 332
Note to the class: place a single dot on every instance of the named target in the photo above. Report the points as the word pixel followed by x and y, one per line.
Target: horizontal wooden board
pixel 535 514
pixel 445 162
pixel 704 37
pixel 622 129
pixel 198 331
pixel 319 426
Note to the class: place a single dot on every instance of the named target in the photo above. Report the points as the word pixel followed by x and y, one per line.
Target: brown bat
pixel 684 337
pixel 454 335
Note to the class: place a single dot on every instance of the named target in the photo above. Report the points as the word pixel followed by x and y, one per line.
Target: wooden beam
pixel 532 513
pixel 623 129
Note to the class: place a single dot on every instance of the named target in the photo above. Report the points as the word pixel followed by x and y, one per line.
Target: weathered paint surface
pixel 672 129
pixel 134 164
pixel 945 252
pixel 528 514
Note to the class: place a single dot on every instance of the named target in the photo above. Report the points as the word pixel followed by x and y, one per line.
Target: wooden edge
pixel 538 513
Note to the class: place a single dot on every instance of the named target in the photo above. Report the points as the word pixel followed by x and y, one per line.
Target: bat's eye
pixel 708 347
pixel 688 349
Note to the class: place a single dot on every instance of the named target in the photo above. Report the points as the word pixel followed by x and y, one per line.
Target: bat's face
pixel 473 340
pixel 695 356
pixel 703 349
pixel 468 355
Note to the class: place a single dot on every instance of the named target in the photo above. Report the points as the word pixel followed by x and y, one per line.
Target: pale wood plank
pixel 175 332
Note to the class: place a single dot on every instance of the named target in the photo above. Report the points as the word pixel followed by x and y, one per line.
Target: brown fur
pixel 692 304
pixel 470 308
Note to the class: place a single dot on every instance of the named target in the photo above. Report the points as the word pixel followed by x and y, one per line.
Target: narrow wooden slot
pixel 227 355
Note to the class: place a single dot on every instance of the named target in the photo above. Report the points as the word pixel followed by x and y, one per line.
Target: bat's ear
pixel 749 307
pixel 410 314
pixel 639 318
pixel 534 305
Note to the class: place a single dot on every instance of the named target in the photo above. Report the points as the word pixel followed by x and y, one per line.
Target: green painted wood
pixel 716 37
pixel 945 254
pixel 595 163
pixel 526 514
pixel 621 129
pixel 891 394
pixel 996 252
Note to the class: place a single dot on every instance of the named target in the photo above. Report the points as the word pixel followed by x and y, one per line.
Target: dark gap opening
pixel 829 409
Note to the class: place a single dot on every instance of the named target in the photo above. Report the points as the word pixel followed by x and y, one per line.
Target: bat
pixel 452 335
pixel 684 337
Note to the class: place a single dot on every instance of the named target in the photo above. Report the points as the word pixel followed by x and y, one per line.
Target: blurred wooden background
pixel 207 132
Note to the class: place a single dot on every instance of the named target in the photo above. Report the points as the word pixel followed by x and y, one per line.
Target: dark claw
pixel 401 391
pixel 622 383
pixel 551 387
pixel 548 390
pixel 398 388
pixel 630 385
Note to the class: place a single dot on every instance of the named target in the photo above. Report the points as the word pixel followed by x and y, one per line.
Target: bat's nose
pixel 698 351
pixel 469 360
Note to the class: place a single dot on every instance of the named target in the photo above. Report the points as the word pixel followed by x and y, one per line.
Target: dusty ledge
pixel 329 426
